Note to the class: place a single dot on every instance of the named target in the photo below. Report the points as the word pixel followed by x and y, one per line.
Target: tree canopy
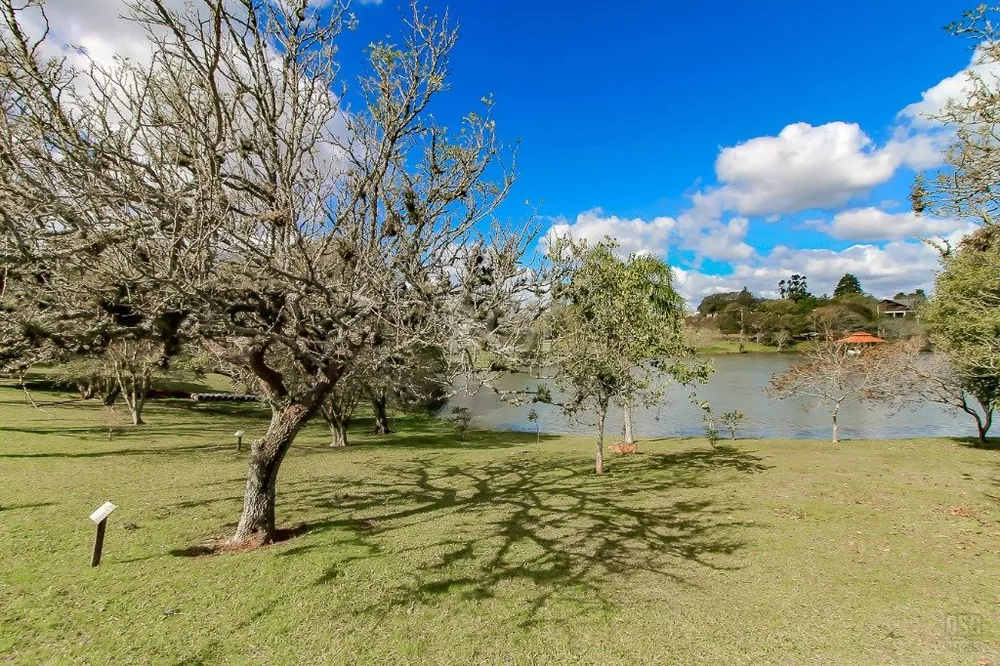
pixel 217 195
pixel 964 314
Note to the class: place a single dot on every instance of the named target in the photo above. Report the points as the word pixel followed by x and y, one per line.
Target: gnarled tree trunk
pixel 111 396
pixel 338 425
pixel 257 521
pixel 136 403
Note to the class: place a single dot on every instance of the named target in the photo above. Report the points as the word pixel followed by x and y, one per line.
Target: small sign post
pixel 239 439
pixel 101 518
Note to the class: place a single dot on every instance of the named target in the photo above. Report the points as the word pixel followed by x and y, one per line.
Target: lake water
pixel 737 384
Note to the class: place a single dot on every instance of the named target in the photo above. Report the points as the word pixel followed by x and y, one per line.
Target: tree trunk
pixel 257 521
pixel 135 406
pixel 338 425
pixel 599 456
pixel 983 425
pixel 628 422
pixel 836 428
pixel 112 396
pixel 381 418
pixel 338 433
pixel 135 402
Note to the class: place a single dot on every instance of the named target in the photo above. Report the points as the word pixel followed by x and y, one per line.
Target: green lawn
pixel 422 549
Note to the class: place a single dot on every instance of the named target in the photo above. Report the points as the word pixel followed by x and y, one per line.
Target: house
pixel 894 309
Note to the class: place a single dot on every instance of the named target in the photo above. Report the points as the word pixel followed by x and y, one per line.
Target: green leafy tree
pixel 617 332
pixel 849 284
pixel 964 315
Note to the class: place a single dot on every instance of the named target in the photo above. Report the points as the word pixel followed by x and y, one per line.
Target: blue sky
pixel 742 141
pixel 631 114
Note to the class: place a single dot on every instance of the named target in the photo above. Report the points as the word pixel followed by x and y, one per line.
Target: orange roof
pixel 859 339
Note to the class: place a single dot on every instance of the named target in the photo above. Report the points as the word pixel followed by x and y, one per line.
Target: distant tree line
pixel 799 315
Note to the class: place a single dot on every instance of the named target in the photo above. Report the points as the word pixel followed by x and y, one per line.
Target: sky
pixel 741 141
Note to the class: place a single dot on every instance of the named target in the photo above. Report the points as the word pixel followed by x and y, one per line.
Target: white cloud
pixel 724 242
pixel 807 167
pixel 873 224
pixel 958 86
pixel 883 271
pixel 634 235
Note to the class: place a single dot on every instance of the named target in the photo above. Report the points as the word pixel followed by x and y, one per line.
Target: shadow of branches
pixel 531 519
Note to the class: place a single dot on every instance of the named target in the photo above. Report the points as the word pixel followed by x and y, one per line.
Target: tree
pixel 830 375
pixel 220 192
pixel 617 331
pixel 849 284
pixel 964 320
pixel 796 287
pixel 919 378
pixel 968 185
pixel 715 303
pixel 964 315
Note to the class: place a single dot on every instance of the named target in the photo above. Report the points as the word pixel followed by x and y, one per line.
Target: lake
pixel 737 384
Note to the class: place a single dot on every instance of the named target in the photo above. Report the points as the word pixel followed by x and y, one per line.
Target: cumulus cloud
pixel 724 242
pixel 958 86
pixel 635 235
pixel 807 166
pixel 873 224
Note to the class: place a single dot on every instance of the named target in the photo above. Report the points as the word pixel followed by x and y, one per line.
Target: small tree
pixel 617 331
pixel 708 420
pixel 830 375
pixel 732 421
pixel 460 418
pixel 533 418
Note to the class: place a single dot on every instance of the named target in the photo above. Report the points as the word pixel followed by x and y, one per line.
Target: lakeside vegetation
pixel 740 321
pixel 760 552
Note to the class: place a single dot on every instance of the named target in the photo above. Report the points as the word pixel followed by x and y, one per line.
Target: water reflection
pixel 738 384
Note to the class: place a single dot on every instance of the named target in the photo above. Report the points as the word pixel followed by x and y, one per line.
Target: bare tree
pixel 831 374
pixel 918 378
pixel 338 409
pixel 223 193
pixel 968 187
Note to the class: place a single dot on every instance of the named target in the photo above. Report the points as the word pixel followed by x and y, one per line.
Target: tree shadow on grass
pixel 15 507
pixel 153 451
pixel 992 443
pixel 535 519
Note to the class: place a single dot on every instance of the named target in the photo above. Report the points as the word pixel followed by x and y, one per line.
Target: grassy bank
pixel 711 342
pixel 422 549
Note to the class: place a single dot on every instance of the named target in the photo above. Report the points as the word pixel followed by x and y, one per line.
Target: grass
pixel 710 342
pixel 422 549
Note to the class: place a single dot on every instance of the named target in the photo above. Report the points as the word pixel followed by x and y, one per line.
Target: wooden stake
pixel 99 543
pixel 101 518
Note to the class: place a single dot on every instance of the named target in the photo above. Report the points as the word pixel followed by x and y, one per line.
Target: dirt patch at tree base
pixel 223 544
